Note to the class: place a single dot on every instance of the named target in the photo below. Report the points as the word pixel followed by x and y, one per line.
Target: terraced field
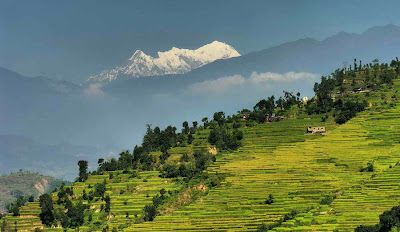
pixel 314 178
pixel 128 198
pixel 27 221
pixel 254 172
pixel 300 170
pixel 279 159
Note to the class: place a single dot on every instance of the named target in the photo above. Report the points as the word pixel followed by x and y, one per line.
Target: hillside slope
pixel 279 178
pixel 25 184
pixel 300 172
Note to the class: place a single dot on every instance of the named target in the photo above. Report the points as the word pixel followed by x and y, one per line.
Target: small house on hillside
pixel 246 115
pixel 304 100
pixel 316 130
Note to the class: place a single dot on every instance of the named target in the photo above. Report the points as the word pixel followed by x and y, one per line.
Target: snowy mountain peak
pixel 139 55
pixel 216 44
pixel 173 61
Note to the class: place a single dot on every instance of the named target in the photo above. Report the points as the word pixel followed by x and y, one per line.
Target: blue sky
pixel 72 40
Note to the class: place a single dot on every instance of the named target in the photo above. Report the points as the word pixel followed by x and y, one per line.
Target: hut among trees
pixel 316 130
pixel 246 115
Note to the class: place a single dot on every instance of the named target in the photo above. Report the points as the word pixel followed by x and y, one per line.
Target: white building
pixel 304 100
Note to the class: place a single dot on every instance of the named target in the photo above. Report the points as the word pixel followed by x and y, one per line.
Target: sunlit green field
pixel 298 169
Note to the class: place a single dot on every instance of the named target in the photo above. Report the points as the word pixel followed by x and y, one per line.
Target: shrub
pixel 366 229
pixel 100 189
pixel 185 158
pixel 223 139
pixel 235 125
pixel 262 228
pixel 369 168
pixel 327 200
pixel 150 212
pixel 270 199
pixel 340 119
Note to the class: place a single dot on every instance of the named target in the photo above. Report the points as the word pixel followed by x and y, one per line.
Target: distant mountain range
pixel 112 115
pixel 304 55
pixel 174 61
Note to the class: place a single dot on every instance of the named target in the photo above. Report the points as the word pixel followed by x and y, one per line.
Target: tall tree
pixel 185 126
pixel 355 64
pixel 100 162
pixel 83 166
pixel 46 206
pixel 108 204
pixel 219 117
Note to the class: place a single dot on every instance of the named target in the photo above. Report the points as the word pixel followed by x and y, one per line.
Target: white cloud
pixel 256 81
pixel 289 76
pixel 218 86
pixel 94 90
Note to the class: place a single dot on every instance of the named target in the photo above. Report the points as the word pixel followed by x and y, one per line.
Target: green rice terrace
pixel 256 171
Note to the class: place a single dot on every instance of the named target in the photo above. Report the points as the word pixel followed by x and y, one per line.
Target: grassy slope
pixel 253 173
pixel 299 171
pixel 278 158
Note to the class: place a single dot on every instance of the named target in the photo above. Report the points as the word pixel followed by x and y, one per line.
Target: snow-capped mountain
pixel 174 61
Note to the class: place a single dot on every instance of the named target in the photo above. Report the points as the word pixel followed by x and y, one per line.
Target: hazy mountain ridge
pixel 34 84
pixel 21 152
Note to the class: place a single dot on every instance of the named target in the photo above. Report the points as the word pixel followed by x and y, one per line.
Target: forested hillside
pixel 258 170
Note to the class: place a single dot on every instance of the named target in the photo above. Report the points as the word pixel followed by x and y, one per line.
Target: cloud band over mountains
pixel 256 81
